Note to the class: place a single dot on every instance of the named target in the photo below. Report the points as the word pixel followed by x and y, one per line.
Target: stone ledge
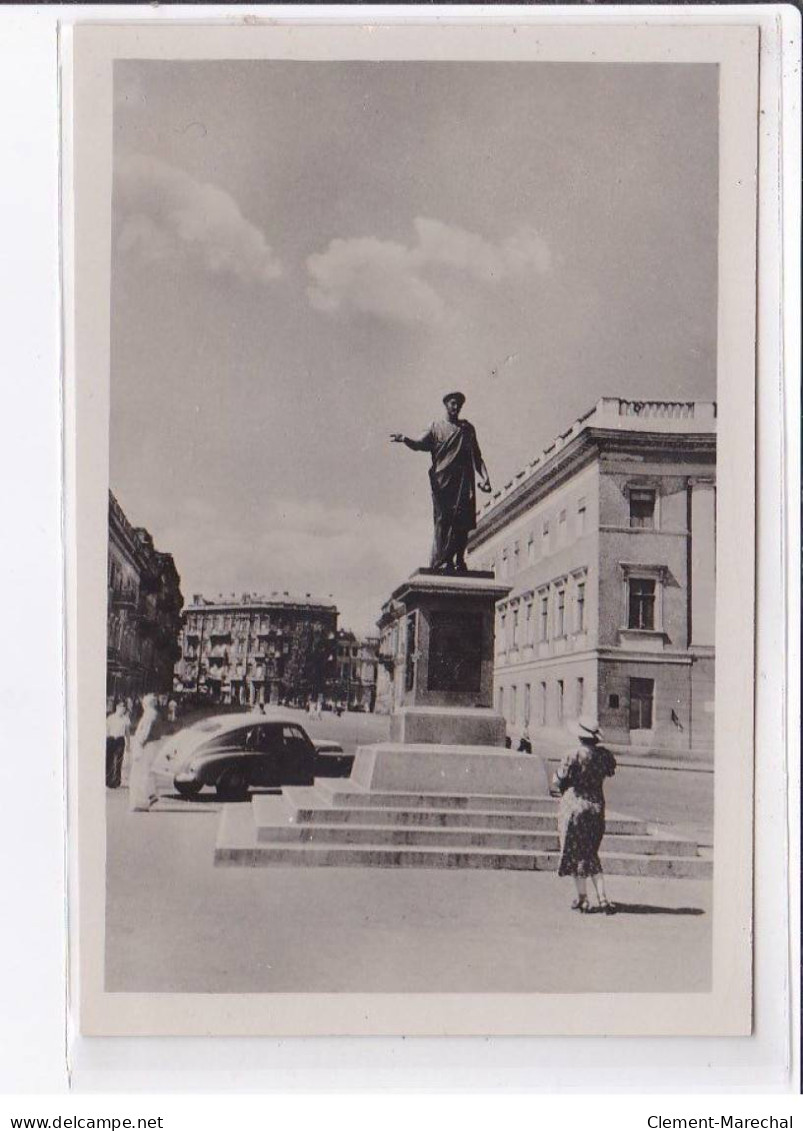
pixel 448 726
pixel 446 768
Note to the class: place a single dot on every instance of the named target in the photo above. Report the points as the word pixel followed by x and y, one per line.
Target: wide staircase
pixel 338 823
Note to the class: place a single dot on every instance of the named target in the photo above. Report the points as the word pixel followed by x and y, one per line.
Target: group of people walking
pixel 131 730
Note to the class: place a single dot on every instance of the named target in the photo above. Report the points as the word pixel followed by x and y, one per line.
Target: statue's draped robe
pixel 456 460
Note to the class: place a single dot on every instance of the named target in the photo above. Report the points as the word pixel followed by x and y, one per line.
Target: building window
pixel 580 607
pixel 515 558
pixel 501 638
pixel 515 634
pixel 528 623
pixel 581 516
pixel 641 603
pixel 504 564
pixel 543 620
pixel 642 693
pixel 512 715
pixel 500 700
pixel 579 696
pixel 613 702
pixel 545 539
pixel 542 704
pixel 526 704
pixel 530 550
pixel 560 613
pixel 642 509
pixel 562 527
pixel 560 700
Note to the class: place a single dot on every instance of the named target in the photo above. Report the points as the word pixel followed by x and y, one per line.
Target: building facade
pixel 357 660
pixel 608 542
pixel 258 649
pixel 143 611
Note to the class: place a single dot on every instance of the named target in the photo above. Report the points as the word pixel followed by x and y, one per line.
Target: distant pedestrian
pixel 142 793
pixel 525 746
pixel 172 711
pixel 581 815
pixel 134 709
pixel 118 732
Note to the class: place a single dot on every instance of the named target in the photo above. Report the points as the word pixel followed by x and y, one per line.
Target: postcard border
pixel 727 1009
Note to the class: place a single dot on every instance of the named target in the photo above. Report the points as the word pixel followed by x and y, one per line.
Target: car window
pixel 266 738
pixel 236 738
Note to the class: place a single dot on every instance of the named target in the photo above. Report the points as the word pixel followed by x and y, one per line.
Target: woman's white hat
pixel 586 727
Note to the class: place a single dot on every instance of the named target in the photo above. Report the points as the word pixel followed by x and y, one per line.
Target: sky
pixel 306 256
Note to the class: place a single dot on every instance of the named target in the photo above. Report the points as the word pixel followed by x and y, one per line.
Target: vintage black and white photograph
pixel 413 537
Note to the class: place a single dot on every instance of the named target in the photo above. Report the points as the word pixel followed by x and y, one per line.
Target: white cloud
pixel 390 280
pixel 164 212
pixel 438 243
pixel 374 276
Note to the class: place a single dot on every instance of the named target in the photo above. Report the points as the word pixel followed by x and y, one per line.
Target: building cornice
pixel 258 606
pixel 580 451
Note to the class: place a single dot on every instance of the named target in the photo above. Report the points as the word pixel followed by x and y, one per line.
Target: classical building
pixel 143 611
pixel 608 541
pixel 258 649
pixel 357 660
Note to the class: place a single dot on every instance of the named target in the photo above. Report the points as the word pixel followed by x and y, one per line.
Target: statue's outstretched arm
pixel 421 445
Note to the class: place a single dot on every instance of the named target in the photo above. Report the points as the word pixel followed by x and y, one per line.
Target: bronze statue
pixel 456 461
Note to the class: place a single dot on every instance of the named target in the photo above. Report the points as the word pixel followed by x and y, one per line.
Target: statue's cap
pixel 455 396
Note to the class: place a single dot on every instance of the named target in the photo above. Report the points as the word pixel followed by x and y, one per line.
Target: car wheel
pixel 233 785
pixel 188 788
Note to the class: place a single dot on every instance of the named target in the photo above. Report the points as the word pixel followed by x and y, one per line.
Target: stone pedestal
pixel 438 640
pixel 459 770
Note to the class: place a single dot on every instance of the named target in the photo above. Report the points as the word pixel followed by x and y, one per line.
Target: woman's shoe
pixel 606 907
pixel 581 904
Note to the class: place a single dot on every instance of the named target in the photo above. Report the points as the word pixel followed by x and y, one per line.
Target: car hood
pixel 326 746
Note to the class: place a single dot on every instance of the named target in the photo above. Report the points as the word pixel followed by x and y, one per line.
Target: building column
pixel 702 563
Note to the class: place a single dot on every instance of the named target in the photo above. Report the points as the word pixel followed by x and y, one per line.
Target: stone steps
pixel 306 826
pixel 238 846
pixel 460 837
pixel 308 808
pixel 341 794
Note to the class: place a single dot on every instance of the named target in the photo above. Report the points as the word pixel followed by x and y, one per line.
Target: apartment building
pixel 357 670
pixel 143 619
pixel 258 648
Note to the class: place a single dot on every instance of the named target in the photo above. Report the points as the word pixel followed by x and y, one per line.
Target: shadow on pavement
pixel 650 909
pixel 177 803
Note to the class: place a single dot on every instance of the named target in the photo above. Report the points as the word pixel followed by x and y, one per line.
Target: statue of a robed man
pixel 456 463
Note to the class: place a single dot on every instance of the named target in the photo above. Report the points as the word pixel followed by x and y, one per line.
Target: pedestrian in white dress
pixel 142 793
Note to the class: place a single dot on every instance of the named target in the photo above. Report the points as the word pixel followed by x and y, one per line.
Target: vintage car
pixel 234 752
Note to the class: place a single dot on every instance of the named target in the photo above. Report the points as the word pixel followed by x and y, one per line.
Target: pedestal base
pixel 451 725
pixel 456 770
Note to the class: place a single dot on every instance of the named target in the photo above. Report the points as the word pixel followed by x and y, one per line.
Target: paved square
pixel 175 923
